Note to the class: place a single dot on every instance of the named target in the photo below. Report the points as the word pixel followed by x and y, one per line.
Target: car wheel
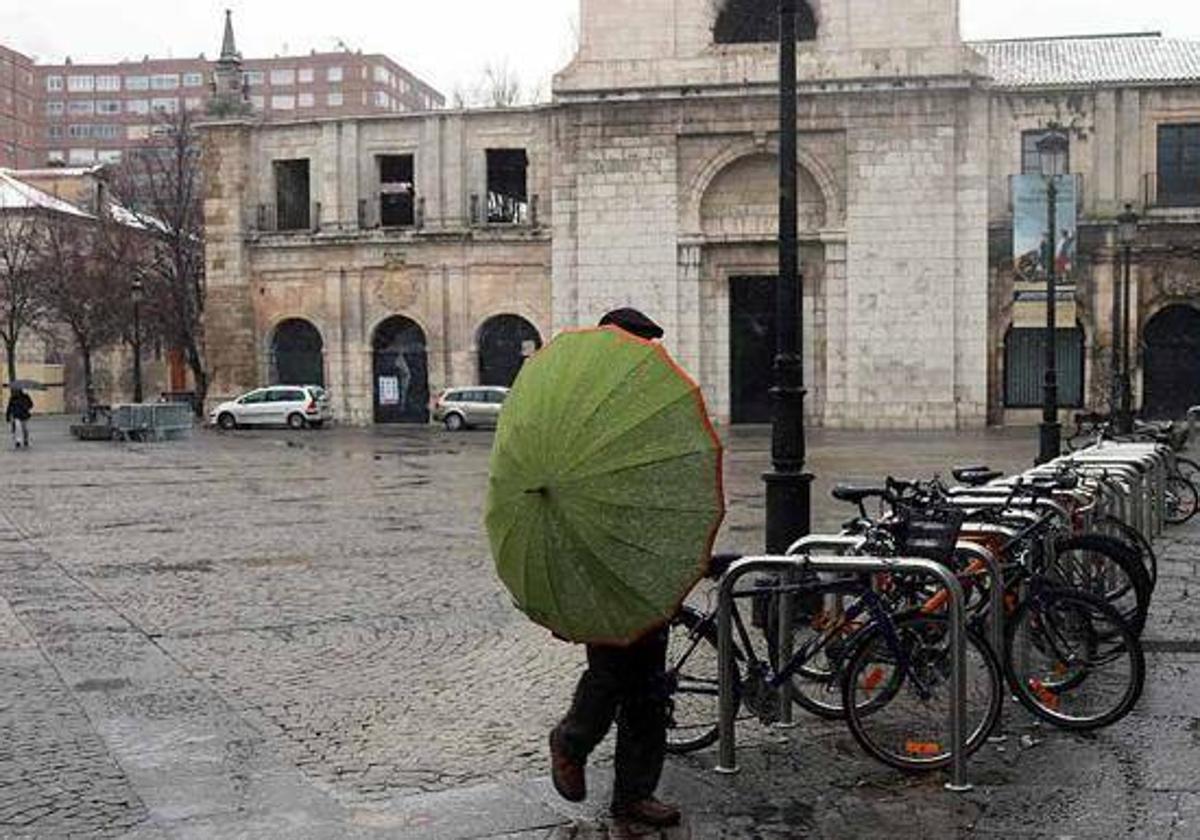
pixel 227 422
pixel 296 421
pixel 454 422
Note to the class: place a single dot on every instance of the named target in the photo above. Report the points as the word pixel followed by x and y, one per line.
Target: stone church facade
pixel 391 256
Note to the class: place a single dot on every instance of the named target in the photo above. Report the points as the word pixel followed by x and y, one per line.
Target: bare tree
pixel 498 86
pixel 21 307
pixel 161 184
pixel 85 276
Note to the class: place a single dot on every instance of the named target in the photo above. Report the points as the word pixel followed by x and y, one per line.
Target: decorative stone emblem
pixel 394 290
pixel 1178 284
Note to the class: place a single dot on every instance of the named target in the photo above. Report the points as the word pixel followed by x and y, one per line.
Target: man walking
pixel 20 409
pixel 625 684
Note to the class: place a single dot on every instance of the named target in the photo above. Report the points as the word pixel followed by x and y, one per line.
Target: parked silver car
pixel 295 406
pixel 465 408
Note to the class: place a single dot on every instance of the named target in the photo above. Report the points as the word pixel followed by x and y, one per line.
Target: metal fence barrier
pixel 152 421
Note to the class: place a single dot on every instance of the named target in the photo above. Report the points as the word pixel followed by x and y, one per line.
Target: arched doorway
pixel 505 342
pixel 400 372
pixel 1172 362
pixel 297 354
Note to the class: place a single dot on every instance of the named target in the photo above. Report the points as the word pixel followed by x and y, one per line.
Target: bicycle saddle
pixel 720 564
pixel 975 476
pixel 857 495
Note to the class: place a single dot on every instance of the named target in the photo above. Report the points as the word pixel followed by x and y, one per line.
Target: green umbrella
pixel 605 493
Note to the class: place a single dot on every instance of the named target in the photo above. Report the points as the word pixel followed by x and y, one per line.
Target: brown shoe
pixel 567 775
pixel 648 811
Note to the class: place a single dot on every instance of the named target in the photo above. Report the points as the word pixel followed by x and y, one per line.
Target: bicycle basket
pixel 930 532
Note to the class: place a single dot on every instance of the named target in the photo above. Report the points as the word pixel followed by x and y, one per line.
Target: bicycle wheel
pixel 817 684
pixel 692 682
pixel 898 697
pixel 1107 568
pixel 1181 500
pixel 1188 468
pixel 1134 538
pixel 1073 661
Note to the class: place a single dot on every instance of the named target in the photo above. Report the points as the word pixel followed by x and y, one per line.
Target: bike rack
pixel 957 723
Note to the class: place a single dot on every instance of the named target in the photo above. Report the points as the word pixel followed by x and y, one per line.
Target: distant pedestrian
pixel 625 684
pixel 20 409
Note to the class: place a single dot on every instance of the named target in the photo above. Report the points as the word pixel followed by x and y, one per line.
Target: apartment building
pixel 89 113
pixel 19 128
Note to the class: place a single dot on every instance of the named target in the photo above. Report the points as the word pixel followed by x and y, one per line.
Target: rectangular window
pixel 305 100
pixel 79 131
pixel 258 103
pixel 55 108
pixel 254 78
pixel 56 156
pixel 292 197
pixel 81 106
pixel 54 132
pixel 81 84
pixel 108 106
pixel 335 100
pixel 283 77
pixel 193 103
pixel 305 76
pixel 507 187
pixel 397 191
pixel 108 83
pixel 1179 165
pixel 164 106
pixel 137 83
pixel 54 83
pixel 137 106
pixel 283 103
pixel 381 99
pixel 82 156
pixel 333 74
pixel 193 79
pixel 164 81
pixel 1031 162
pixel 1025 367
pixel 105 132
pixel 382 75
pixel 109 156
pixel 137 132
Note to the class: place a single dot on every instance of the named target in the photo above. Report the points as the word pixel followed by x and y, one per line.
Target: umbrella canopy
pixel 25 385
pixel 605 493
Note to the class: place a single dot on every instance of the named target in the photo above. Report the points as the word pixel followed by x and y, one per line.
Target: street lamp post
pixel 1052 154
pixel 789 487
pixel 137 339
pixel 1127 232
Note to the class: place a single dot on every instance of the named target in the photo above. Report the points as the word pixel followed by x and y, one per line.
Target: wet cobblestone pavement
pixel 300 635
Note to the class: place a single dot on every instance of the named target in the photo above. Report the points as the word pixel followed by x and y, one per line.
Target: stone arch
pixel 811 167
pixel 503 342
pixel 296 353
pixel 400 370
pixel 1171 361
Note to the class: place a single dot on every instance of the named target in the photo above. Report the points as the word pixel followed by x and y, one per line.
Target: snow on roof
pixel 17 195
pixel 1090 61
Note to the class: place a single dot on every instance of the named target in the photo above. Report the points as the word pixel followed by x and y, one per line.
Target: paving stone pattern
pixel 270 634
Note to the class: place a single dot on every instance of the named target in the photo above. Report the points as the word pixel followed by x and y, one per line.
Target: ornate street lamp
pixel 1052 154
pixel 789 487
pixel 137 339
pixel 1127 234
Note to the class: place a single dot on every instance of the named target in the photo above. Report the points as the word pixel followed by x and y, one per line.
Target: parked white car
pixel 294 406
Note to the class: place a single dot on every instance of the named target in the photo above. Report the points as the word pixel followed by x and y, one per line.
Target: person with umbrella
pixel 20 409
pixel 605 498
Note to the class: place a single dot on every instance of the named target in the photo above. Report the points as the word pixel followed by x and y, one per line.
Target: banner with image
pixel 1030 254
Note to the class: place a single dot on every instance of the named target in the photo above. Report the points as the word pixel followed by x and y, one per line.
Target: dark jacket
pixel 20 407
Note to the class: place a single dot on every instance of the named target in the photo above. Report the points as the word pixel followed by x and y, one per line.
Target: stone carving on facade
pixel 394 290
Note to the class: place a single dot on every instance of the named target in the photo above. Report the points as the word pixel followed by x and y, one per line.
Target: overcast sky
pixel 449 41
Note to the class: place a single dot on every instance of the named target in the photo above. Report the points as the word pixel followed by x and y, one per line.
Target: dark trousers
pixel 625 685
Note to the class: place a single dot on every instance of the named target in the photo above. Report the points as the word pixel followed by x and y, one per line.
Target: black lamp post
pixel 137 339
pixel 789 487
pixel 1052 154
pixel 1127 233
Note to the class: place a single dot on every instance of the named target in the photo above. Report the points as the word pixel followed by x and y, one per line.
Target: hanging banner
pixel 1030 234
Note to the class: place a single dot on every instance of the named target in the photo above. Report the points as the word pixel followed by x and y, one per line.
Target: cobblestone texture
pixel 198 639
